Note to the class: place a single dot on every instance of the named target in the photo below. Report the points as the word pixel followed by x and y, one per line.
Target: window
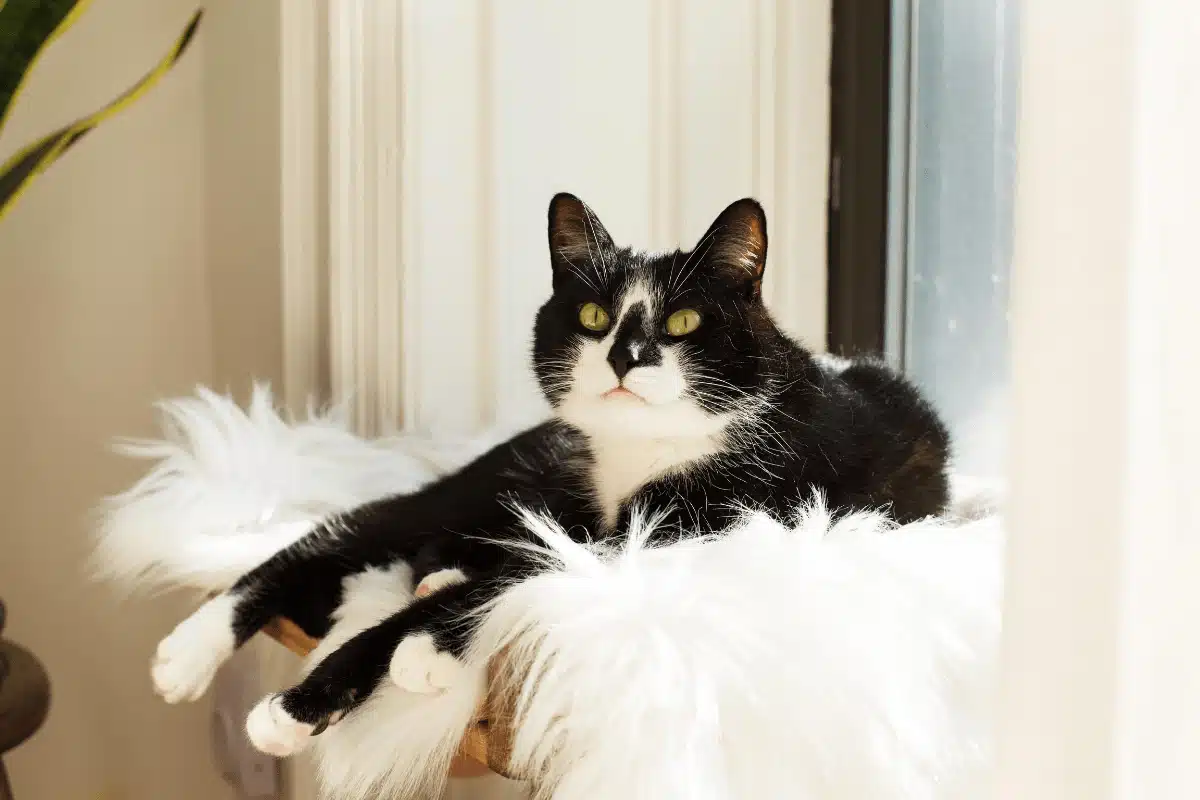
pixel 956 160
pixel 921 209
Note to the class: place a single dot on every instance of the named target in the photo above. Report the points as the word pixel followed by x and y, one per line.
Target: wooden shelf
pixel 484 747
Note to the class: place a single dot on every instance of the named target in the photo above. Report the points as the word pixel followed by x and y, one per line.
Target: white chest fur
pixel 624 465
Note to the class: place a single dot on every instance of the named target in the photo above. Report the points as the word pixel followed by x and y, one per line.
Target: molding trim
pixel 302 224
pixel 438 380
pixel 365 140
pixel 793 117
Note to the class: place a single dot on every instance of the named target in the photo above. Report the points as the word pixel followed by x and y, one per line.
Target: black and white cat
pixel 674 392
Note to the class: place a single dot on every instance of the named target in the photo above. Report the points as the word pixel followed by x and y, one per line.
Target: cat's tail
pixel 229 487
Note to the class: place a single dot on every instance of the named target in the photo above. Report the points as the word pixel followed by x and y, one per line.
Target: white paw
pixel 188 659
pixel 273 731
pixel 418 667
pixel 436 581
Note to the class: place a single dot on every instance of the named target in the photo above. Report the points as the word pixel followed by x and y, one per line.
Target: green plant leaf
pixel 36 158
pixel 27 27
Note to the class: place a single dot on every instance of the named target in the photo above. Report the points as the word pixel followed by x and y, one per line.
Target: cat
pixel 674 393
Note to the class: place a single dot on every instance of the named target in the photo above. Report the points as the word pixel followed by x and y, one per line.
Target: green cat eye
pixel 593 317
pixel 683 322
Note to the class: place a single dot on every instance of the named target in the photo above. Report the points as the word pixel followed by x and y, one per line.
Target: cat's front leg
pixel 303 582
pixel 419 649
pixel 429 657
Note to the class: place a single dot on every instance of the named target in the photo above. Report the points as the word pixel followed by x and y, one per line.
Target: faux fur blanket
pixel 817 658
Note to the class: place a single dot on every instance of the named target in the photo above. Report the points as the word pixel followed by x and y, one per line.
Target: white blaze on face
pixel 640 292
pixel 661 408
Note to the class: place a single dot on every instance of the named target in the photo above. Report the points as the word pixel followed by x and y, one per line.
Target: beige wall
pixel 242 224
pixel 105 305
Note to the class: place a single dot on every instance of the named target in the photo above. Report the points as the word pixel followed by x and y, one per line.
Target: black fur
pixel 862 435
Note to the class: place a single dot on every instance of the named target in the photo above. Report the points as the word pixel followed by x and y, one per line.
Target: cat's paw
pixel 274 732
pixel 436 581
pixel 188 659
pixel 419 667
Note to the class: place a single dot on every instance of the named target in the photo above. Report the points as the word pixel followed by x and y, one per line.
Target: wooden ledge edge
pixel 479 752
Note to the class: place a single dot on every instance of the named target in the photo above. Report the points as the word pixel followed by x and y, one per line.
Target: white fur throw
pixel 822 659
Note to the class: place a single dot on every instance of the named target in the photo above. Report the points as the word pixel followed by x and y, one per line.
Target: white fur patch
pixel 188 659
pixel 273 731
pixel 661 409
pixel 832 363
pixel 625 464
pixel 436 581
pixel 417 666
pixel 638 292
pixel 368 598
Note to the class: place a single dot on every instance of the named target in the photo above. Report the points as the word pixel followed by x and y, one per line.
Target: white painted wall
pixel 447 144
pixel 1101 695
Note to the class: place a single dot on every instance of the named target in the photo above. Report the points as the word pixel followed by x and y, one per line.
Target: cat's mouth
pixel 622 392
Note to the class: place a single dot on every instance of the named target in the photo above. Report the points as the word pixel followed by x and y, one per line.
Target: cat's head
pixel 653 345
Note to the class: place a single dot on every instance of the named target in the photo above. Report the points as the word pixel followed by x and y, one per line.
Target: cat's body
pixel 675 394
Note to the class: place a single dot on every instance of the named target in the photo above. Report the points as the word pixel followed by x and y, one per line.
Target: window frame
pixel 863 282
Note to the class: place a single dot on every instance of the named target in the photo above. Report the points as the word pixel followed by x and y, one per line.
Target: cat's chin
pixel 627 417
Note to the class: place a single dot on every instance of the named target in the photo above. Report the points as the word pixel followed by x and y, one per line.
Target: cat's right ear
pixel 577 239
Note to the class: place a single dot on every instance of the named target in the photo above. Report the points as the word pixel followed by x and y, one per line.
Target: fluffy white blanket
pixel 822 659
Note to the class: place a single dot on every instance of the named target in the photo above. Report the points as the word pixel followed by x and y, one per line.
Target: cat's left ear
pixel 736 244
pixel 577 239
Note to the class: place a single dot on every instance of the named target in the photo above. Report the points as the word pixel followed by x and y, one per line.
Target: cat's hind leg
pixel 419 649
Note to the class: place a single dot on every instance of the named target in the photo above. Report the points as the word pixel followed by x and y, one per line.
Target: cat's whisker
pixel 590 219
pixel 699 248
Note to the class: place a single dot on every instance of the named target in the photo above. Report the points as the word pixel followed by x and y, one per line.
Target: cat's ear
pixel 736 244
pixel 577 239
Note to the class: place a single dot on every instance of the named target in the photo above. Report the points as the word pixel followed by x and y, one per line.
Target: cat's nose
pixel 621 360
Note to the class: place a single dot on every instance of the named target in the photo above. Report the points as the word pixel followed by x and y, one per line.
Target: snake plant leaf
pixel 36 158
pixel 27 28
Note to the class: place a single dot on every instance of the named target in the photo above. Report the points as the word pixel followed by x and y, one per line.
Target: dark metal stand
pixel 24 699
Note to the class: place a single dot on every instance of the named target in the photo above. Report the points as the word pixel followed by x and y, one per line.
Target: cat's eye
pixel 683 322
pixel 593 317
